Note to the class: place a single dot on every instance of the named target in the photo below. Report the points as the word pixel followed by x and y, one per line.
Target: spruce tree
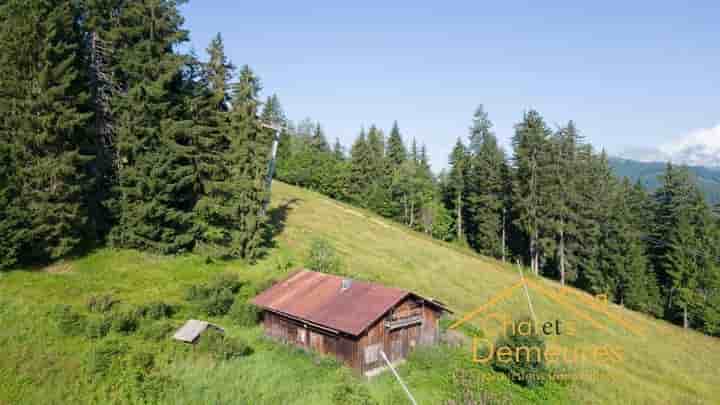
pixel 156 189
pixel 319 142
pixel 250 154
pixel 215 188
pixel 683 268
pixel 361 163
pixel 45 129
pixel 530 157
pixel 13 219
pixel 486 225
pixel 396 151
pixel 457 186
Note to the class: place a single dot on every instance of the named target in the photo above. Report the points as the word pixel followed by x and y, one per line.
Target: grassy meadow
pixel 39 364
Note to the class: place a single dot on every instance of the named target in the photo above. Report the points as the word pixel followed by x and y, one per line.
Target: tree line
pixel 108 133
pixel 553 204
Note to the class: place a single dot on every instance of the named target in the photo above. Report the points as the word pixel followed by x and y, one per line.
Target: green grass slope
pixel 660 363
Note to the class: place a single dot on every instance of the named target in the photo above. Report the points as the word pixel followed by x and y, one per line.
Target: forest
pixel 110 135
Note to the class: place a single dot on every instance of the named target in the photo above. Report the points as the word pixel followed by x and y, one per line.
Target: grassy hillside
pixel 661 363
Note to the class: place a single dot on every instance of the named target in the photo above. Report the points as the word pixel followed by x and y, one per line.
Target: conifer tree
pixel 250 153
pixel 45 129
pixel 530 146
pixel 457 186
pixel 683 267
pixel 486 188
pixel 319 142
pixel 208 121
pixel 13 225
pixel 396 151
pixel 338 150
pixel 361 162
pixel 156 189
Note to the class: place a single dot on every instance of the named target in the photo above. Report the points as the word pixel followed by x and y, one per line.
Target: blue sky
pixel 632 74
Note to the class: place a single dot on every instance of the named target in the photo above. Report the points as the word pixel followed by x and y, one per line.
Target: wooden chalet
pixel 351 320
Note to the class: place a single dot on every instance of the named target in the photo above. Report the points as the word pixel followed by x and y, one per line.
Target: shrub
pixel 125 322
pixel 323 257
pixel 523 354
pixel 244 313
pixel 222 347
pixel 143 361
pixel 197 292
pixel 101 303
pixel 218 303
pixel 350 392
pixel 98 328
pixel 156 310
pixel 69 322
pixel 225 281
pixel 156 330
pixel 101 357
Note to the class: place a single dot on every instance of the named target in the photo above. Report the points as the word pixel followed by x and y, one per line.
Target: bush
pixel 156 310
pixel 143 361
pixel 350 392
pixel 523 357
pixel 323 257
pixel 101 303
pixel 98 328
pixel 69 322
pixel 225 281
pixel 125 322
pixel 244 313
pixel 222 347
pixel 101 357
pixel 217 296
pixel 218 303
pixel 197 292
pixel 156 330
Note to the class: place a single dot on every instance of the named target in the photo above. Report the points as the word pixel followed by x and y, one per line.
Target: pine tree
pixel 250 153
pixel 13 221
pixel 530 157
pixel 396 151
pixel 218 72
pixel 45 128
pixel 156 189
pixel 361 162
pixel 319 142
pixel 338 150
pixel 457 186
pixel 486 202
pixel 215 189
pixel 683 267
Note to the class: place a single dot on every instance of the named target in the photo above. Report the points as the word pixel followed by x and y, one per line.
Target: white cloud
pixel 707 137
pixel 700 147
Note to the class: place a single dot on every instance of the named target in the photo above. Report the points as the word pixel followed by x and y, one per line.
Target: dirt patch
pixel 58 268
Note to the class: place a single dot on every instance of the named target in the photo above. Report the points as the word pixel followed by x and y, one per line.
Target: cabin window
pixel 372 353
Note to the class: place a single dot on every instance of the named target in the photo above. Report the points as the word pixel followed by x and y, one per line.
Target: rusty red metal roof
pixel 320 299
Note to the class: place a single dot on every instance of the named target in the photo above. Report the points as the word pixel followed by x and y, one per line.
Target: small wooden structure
pixel 351 320
pixel 191 331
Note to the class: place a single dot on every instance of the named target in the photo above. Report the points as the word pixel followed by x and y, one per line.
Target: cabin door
pixel 398 344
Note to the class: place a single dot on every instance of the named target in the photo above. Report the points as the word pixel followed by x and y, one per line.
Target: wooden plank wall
pixel 306 337
pixel 360 353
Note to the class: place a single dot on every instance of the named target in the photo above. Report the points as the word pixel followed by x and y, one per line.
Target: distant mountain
pixel 649 173
pixel 699 147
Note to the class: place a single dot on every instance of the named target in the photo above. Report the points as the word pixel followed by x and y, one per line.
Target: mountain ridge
pixel 649 173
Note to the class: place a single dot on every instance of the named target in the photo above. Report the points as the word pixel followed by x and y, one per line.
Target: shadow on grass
pixel 277 218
